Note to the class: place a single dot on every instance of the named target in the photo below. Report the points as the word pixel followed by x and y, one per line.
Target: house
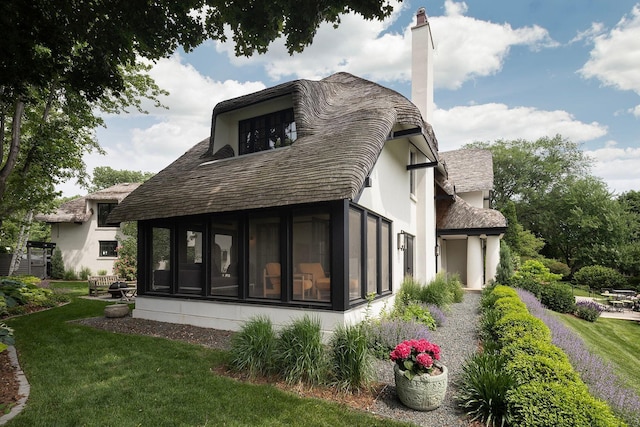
pixel 307 197
pixel 82 232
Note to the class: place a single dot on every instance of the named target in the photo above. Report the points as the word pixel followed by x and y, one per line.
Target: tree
pixel 59 58
pixel 105 177
pixel 523 242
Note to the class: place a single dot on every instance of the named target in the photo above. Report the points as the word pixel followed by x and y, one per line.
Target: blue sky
pixel 503 70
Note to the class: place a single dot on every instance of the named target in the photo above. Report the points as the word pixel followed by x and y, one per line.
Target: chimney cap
pixel 421 16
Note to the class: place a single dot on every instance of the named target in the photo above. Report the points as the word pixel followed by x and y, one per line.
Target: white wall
pixel 474 198
pixel 80 243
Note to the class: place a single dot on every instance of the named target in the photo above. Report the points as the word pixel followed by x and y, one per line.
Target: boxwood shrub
pixel 558 297
pixel 515 325
pixel 598 277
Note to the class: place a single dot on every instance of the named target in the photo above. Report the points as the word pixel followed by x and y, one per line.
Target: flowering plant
pixel 415 357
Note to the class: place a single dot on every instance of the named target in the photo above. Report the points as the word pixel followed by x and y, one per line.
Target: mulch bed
pixel 8 384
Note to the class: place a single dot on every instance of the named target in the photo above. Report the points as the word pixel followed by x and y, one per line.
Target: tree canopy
pixel 105 177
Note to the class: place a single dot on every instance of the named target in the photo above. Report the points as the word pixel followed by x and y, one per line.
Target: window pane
pixel 190 279
pixel 266 132
pixel 312 257
pixel 108 248
pixel 161 261
pixel 385 257
pixel 224 258
pixel 372 256
pixel 104 209
pixel 264 258
pixel 355 254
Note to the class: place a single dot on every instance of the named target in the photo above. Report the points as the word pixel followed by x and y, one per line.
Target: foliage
pixel 557 267
pixel 384 334
pixel 253 347
pixel 351 367
pixel 70 274
pixel 505 266
pixel 105 177
pixel 528 284
pixel 419 313
pixel 84 273
pixel 16 294
pixel 102 272
pixel 482 388
pixel 442 291
pixel 126 266
pixel 536 270
pixel 57 265
pixel 523 242
pixel 599 277
pixel 588 310
pixel 558 297
pixel 415 357
pixel 6 337
pixel 300 353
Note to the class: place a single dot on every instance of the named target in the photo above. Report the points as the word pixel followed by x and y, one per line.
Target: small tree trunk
pixel 21 245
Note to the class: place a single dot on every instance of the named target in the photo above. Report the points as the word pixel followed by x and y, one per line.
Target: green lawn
pixel 83 376
pixel 615 340
pixel 72 288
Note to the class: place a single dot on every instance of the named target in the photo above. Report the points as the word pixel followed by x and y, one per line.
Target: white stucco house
pixel 81 230
pixel 306 198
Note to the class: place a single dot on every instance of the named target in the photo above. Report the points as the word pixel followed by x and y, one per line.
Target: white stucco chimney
pixel 422 65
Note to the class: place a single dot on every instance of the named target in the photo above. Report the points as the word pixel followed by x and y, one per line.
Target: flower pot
pixel 116 310
pixel 423 392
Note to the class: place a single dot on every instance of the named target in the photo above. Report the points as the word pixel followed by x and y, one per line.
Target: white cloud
pixel 466 48
pixel 615 55
pixel 617 166
pixel 489 122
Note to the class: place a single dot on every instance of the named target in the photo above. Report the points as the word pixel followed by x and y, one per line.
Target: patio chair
pixel 272 280
pixel 314 271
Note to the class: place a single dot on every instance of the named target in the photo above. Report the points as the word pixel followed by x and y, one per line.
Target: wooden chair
pixel 314 271
pixel 271 282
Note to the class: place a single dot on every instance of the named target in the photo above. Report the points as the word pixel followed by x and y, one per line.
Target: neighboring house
pixel 307 197
pixel 81 230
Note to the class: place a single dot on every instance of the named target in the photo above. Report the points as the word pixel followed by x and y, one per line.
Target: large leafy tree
pixel 60 60
pixel 105 177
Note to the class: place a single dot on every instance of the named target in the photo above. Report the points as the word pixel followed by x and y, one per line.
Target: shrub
pixel 84 273
pixel 385 334
pixel 505 267
pixel 588 310
pixel 535 269
pixel 529 345
pixel 409 291
pixel 509 304
pixel 438 292
pixel 16 295
pixel 528 284
pixel 483 387
pixel 419 313
pixel 57 265
pixel 70 275
pixel 598 277
pixel 557 267
pixel 350 364
pixel 526 368
pixel 102 272
pixel 300 352
pixel 558 405
pixel 558 297
pixel 519 325
pixel 437 314
pixel 252 348
pixel 6 337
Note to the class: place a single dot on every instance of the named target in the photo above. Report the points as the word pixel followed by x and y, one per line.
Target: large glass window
pixel 355 254
pixel 224 258
pixel 372 254
pixel 273 130
pixel 160 260
pixel 104 209
pixel 190 253
pixel 264 258
pixel 385 255
pixel 311 257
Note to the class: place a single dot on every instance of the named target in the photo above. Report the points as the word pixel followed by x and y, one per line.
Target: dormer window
pixel 266 132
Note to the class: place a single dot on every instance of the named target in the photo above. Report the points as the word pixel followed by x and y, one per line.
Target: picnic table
pixel 126 294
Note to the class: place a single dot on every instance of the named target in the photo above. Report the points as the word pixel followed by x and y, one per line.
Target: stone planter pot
pixel 116 310
pixel 423 392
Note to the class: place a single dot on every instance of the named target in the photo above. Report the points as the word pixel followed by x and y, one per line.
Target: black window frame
pixel 282 125
pixel 112 249
pixel 104 209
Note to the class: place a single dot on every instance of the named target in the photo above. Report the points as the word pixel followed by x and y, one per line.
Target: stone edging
pixel 23 389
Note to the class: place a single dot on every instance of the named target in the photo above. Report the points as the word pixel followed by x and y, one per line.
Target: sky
pixel 503 69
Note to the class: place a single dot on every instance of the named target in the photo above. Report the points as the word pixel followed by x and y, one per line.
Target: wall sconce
pixel 437 250
pixel 401 240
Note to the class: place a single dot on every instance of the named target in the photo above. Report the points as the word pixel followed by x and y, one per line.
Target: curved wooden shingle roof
pixel 342 124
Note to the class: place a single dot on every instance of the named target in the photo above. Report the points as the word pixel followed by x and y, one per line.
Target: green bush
pixel 438 292
pixel 528 284
pixel 300 353
pixel 509 304
pixel 252 348
pixel 483 388
pixel 505 268
pixel 558 297
pixel 530 346
pixel 588 310
pixel 519 325
pixel 419 313
pixel 6 337
pixel 70 275
pixel 491 294
pixel 84 273
pixel 535 269
pixel 557 267
pixel 351 366
pixel 409 291
pixel 57 265
pixel 526 368
pixel 599 277
pixel 16 295
pixel 540 404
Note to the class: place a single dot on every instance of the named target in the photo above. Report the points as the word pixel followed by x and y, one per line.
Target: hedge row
pixel 547 389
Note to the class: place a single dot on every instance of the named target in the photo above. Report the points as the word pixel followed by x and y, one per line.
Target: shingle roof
pixel 457 214
pixel 342 125
pixel 469 169
pixel 76 210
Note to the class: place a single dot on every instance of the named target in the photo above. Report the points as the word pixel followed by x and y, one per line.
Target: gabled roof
pixel 469 169
pixel 342 125
pixel 456 215
pixel 76 210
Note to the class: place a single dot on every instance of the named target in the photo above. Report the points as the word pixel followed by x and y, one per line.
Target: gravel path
pixel 457 339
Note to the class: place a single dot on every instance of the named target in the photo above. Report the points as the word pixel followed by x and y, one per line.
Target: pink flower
pixel 402 351
pixel 422 346
pixel 425 360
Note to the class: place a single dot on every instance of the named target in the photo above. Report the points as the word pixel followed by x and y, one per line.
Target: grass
pixel 615 340
pixel 83 376
pixel 72 288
